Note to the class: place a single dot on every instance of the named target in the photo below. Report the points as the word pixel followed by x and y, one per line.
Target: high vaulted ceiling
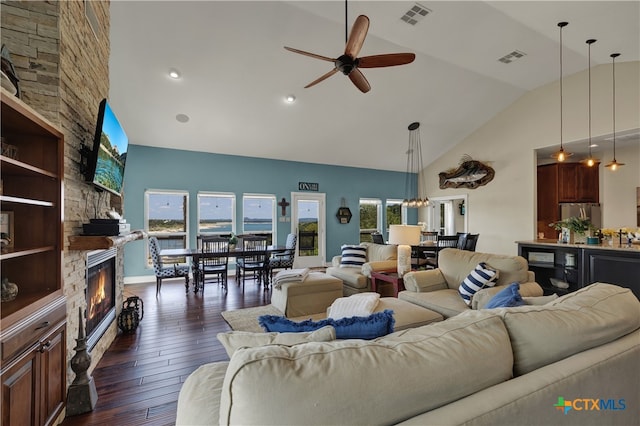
pixel 235 72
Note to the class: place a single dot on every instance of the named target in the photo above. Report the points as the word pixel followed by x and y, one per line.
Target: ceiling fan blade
pixel 359 80
pixel 324 77
pixel 387 60
pixel 313 55
pixel 357 36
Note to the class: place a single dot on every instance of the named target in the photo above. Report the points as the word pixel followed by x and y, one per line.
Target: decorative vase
pixel 9 290
pixel 232 247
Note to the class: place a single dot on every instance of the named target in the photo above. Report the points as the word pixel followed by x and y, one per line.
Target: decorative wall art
pixel 469 174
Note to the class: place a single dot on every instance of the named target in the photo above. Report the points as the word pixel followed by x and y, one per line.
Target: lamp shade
pixel 404 234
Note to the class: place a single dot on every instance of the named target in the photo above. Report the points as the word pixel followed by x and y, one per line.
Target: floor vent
pixel 415 14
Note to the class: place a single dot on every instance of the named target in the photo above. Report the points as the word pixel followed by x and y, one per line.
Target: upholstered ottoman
pixel 311 296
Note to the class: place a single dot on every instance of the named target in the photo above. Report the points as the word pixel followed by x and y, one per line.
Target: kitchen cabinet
pixel 564 183
pixel 33 324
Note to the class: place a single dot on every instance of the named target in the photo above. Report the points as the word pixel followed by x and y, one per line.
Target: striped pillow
pixel 481 277
pixel 353 256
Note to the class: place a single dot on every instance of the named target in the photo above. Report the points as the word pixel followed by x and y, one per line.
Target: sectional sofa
pixel 572 361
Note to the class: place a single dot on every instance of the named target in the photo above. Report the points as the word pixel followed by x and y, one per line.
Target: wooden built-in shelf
pixel 101 242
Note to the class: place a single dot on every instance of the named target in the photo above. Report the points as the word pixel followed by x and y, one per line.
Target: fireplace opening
pixel 100 293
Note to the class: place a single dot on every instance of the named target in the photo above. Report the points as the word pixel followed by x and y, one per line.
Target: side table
pixel 388 277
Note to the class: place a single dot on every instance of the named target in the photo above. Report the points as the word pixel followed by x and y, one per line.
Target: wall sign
pixel 307 186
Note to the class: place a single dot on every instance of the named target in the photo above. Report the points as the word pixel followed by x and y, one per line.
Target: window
pixel 259 215
pixel 395 213
pixel 370 218
pixel 216 213
pixel 166 218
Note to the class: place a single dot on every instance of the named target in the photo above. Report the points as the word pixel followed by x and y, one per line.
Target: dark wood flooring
pixel 139 377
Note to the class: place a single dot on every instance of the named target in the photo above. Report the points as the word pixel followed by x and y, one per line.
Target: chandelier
pixel 413 196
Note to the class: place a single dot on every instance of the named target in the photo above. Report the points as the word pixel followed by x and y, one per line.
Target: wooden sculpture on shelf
pixel 469 174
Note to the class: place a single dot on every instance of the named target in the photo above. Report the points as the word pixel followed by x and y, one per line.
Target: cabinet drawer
pixel 33 328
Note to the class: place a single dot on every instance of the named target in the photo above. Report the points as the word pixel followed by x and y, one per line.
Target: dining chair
pixel 444 241
pixel 253 259
pixel 214 265
pixel 162 271
pixel 284 260
pixel 377 238
pixel 427 249
pixel 471 241
pixel 462 240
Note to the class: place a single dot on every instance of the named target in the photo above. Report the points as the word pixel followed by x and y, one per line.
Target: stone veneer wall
pixel 64 73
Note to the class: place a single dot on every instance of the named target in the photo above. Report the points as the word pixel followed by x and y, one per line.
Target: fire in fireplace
pixel 100 293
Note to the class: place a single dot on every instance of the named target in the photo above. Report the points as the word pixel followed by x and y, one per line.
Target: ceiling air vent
pixel 415 14
pixel 508 58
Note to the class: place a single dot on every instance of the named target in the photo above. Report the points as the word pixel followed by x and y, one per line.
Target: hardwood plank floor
pixel 139 377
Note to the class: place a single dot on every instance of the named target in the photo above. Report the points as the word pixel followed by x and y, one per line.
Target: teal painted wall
pixel 170 169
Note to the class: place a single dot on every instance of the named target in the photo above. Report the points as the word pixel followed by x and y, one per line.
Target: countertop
pixel 634 247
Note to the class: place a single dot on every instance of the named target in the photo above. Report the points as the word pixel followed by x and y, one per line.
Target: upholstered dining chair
pixel 161 271
pixel 253 259
pixel 217 264
pixel 284 260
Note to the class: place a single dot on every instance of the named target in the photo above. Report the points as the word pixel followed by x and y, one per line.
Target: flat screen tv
pixel 109 155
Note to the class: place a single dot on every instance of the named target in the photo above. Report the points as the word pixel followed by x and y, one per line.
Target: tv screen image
pixel 109 151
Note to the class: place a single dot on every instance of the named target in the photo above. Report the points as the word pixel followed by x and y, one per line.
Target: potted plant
pixel 574 229
pixel 233 240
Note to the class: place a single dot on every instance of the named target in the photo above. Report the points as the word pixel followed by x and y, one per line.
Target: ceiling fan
pixel 349 63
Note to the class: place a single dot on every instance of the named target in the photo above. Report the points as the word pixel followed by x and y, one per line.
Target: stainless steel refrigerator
pixel 590 210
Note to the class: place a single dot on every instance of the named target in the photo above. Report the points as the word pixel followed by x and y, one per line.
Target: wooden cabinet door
pixel 20 390
pixel 52 375
pixel 588 183
pixel 568 182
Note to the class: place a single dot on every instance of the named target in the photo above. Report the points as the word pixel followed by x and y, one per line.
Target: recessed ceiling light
pixel 290 99
pixel 182 118
pixel 174 73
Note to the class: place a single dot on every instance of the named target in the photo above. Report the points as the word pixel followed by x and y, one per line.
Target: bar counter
pixel 579 265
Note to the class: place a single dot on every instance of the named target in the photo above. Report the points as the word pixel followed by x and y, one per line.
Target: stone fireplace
pixel 100 293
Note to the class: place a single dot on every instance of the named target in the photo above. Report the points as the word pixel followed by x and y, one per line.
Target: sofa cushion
pixel 447 303
pixel 507 297
pixel 410 372
pixel 380 252
pixel 234 340
pixel 349 276
pixel 369 327
pixel 455 266
pixel 480 277
pixel 353 256
pixel 587 318
pixel 202 389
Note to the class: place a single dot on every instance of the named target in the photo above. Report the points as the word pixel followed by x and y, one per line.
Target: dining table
pixel 197 254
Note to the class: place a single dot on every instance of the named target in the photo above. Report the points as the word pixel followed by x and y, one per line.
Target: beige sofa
pixel 492 366
pixel 437 289
pixel 380 257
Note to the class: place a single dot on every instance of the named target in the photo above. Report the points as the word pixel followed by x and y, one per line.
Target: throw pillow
pixel 481 277
pixel 234 340
pixel 353 256
pixel 375 325
pixel 506 298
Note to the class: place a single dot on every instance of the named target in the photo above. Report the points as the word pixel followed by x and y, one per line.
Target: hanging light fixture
pixel 590 160
pixel 413 196
pixel 613 165
pixel 561 155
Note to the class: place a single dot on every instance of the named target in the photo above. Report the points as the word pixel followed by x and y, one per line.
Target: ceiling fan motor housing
pixel 345 64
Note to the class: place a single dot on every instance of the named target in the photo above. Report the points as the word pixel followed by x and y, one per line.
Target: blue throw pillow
pixel 375 325
pixel 506 298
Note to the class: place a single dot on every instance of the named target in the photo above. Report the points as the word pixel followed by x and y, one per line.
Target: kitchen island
pixel 579 265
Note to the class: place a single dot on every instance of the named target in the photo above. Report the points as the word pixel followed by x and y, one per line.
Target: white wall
pixel 504 210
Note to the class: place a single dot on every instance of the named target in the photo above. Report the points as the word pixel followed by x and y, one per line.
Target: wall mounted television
pixel 107 160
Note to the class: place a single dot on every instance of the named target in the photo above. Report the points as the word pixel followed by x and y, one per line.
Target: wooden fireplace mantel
pixel 98 242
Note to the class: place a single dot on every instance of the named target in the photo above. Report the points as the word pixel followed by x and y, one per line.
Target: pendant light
pixel 413 196
pixel 561 155
pixel 613 165
pixel 590 160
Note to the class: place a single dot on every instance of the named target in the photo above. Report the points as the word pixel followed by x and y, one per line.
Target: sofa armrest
pixel 335 261
pixel 528 289
pixel 380 265
pixel 424 281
